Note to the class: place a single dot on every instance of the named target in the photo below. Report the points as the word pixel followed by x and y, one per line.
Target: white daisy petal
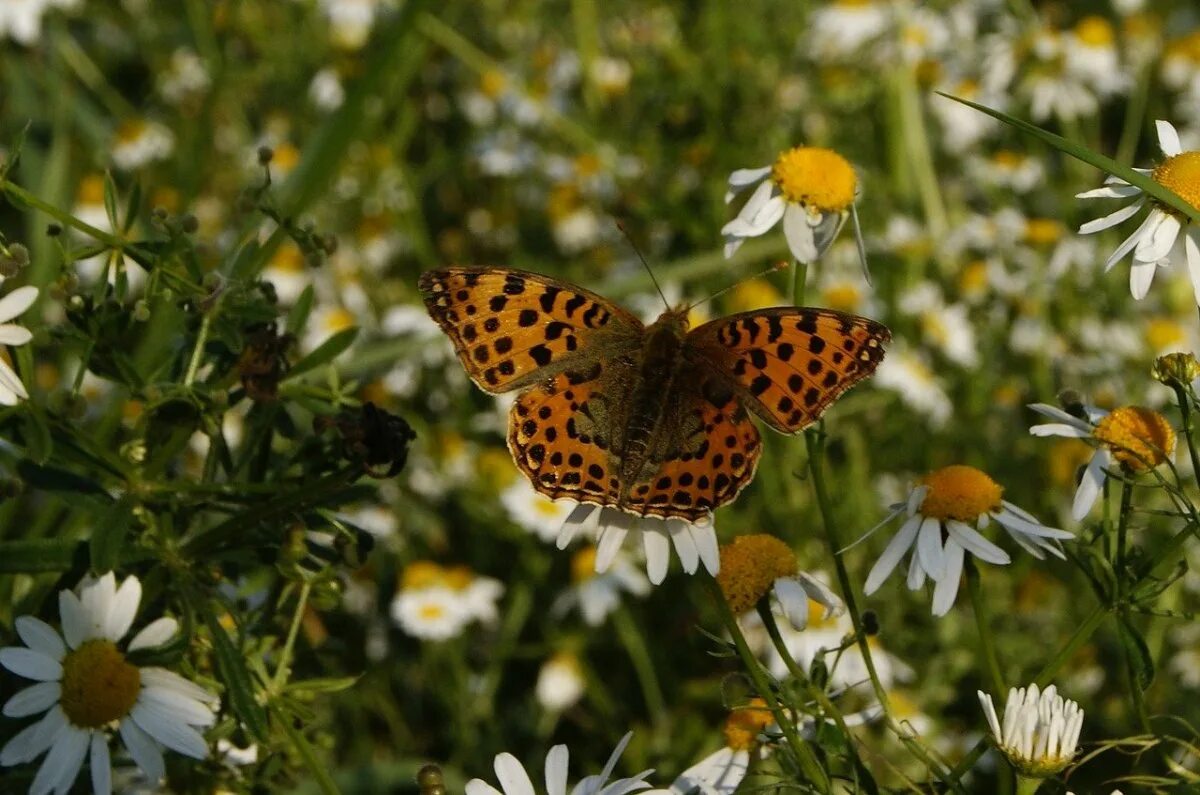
pixel 478 786
pixel 1141 275
pixel 916 574
pixel 186 709
pixel 14 335
pixel 17 302
pixel 1168 138
pixel 101 765
pixel 611 539
pixel 169 680
pixel 1090 486
pixel 704 533
pixel 822 594
pixel 1154 247
pixel 685 545
pixel 123 609
pixel 766 217
pixel 1012 521
pixel 512 776
pixel 929 548
pixel 1059 429
pixel 1118 191
pixel 144 750
pixel 27 744
pixel 156 633
pixel 74 620
pixel 31 664
pixel 1112 219
pixel 657 546
pixel 946 589
pixel 62 764
pixel 972 541
pixel 12 391
pixel 794 601
pixel 892 554
pixel 33 699
pixel 1131 241
pixel 40 636
pixel 168 729
pixel 582 517
pixel 799 234
pixel 743 178
pixel 750 209
pixel 556 770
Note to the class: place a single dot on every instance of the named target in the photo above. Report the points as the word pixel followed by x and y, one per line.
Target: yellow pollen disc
pixel 431 612
pixel 458 577
pixel 289 258
pixel 751 295
pixel 820 179
pixel 583 564
pixel 1181 174
pixel 286 157
pixel 421 574
pixel 974 277
pixel 98 685
pixel 743 726
pixel 1163 333
pixel 853 3
pixel 749 567
pixel 1095 32
pixel 1043 231
pixel 844 296
pixel 959 492
pixel 1007 158
pixel 1139 438
pixel 492 83
pixel 91 190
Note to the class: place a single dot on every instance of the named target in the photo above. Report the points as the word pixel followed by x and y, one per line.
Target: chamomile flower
pixel 943 516
pixel 1154 239
pixel 12 391
pixel 908 373
pixel 1040 731
pixel 534 511
pixel 90 691
pixel 721 772
pixel 756 564
pixel 1136 438
pixel 810 189
pixel 560 683
pixel 515 781
pixel 140 142
pixel 694 542
pixel 597 594
pixel 437 603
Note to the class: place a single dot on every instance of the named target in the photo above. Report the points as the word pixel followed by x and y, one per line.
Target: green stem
pixel 799 282
pixel 986 647
pixel 1026 785
pixel 284 669
pixel 1135 114
pixel 1185 411
pixel 803 753
pixel 639 654
pixel 1122 532
pixel 198 349
pixel 920 154
pixel 323 779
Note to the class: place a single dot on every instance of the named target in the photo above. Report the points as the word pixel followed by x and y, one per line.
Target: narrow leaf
pixel 326 352
pixel 39 555
pixel 109 535
pixel 240 686
pixel 1139 653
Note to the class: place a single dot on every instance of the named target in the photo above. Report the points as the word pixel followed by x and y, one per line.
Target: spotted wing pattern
pixel 789 364
pixel 511 328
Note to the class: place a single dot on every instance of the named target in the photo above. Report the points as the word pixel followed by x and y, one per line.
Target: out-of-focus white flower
pixel 140 142
pixel 326 90
pixel 12 391
pixel 560 683
pixel 838 30
pixel 1090 53
pixel 534 511
pixel 185 77
pixel 437 603
pixel 908 374
pixel 350 21
pixel 598 594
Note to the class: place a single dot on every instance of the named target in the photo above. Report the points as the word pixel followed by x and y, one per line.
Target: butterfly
pixel 643 422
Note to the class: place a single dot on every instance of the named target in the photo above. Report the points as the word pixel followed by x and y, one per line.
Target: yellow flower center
pixel 1007 159
pixel 817 178
pixel 743 726
pixel 492 83
pixel 98 685
pixel 1064 459
pixel 91 190
pixel 583 564
pixel 421 574
pixel 1139 438
pixel 130 131
pixel 432 611
pixel 959 492
pixel 752 295
pixel 843 296
pixel 286 157
pixel 974 277
pixel 750 565
pixel 1163 332
pixel 1043 231
pixel 1095 32
pixel 458 577
pixel 1181 174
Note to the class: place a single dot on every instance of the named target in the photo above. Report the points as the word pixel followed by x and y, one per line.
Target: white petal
pixel 972 541
pixel 1110 220
pixel 185 709
pixel 704 534
pixel 1131 241
pixel 799 234
pixel 892 554
pixel 732 244
pixel 1168 139
pixel 685 545
pixel 1119 191
pixel 916 574
pixel 33 740
pixel 822 594
pixel 743 178
pixel 17 302
pixel 14 335
pixel 62 764
pixel 766 217
pixel 794 601
pixel 31 664
pixel 611 764
pixel 1191 245
pixel 101 765
pixel 611 538
pixel 577 520
pixel 989 711
pixel 40 636
pixel 512 776
pixel 946 589
pixel 1058 429
pixel 161 677
pixel 478 786
pixel 168 729
pixel 1017 523
pixel 658 554
pixel 929 548
pixel 123 609
pixel 33 699
pixel 916 498
pixel 1090 486
pixel 1055 413
pixel 144 750
pixel 1158 245
pixel 556 770
pixel 156 633
pixel 742 221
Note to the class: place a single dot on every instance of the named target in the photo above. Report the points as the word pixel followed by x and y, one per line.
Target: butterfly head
pixel 672 322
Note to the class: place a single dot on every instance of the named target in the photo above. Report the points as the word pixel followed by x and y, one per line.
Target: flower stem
pixel 804 754
pixel 639 655
pixel 283 670
pixel 1122 531
pixel 1027 785
pixel 1185 411
pixel 986 647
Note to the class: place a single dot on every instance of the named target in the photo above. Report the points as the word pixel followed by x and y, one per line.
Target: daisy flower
pixel 597 594
pixel 437 603
pixel 810 189
pixel 1040 731
pixel 89 691
pixel 139 143
pixel 1135 437
pixel 721 772
pixel 12 391
pixel 694 542
pixel 515 781
pixel 533 510
pixel 757 564
pixel 560 683
pixel 943 516
pixel 1152 242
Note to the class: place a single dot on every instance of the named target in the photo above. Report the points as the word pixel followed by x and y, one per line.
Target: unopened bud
pixel 1176 370
pixel 265 155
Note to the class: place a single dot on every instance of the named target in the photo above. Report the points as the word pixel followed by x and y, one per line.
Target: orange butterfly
pixel 645 422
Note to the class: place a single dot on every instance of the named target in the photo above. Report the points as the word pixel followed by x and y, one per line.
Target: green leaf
pixel 133 207
pixel 1107 164
pixel 240 686
pixel 325 352
pixel 39 555
pixel 1139 653
pixel 110 201
pixel 50 478
pixel 39 445
pixel 298 317
pixel 332 684
pixel 109 535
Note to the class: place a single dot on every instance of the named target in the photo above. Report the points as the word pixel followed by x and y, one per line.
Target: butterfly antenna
pixel 645 264
pixel 782 265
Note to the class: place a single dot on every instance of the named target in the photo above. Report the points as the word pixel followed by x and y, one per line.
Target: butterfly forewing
pixel 789 364
pixel 510 328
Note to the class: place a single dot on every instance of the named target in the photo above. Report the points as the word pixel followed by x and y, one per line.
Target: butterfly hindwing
pixel 511 328
pixel 789 364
